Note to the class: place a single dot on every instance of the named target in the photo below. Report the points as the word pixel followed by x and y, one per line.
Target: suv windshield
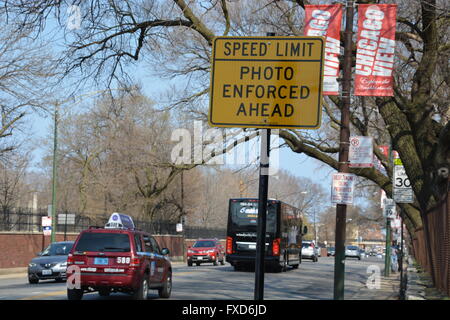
pixel 103 242
pixel 57 249
pixel 204 244
pixel 352 248
pixel 306 245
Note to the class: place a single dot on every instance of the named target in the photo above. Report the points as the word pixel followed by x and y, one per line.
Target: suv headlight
pixel 210 251
pixel 190 251
pixel 63 264
pixel 32 264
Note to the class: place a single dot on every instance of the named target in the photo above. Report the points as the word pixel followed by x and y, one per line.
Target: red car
pixel 206 250
pixel 118 260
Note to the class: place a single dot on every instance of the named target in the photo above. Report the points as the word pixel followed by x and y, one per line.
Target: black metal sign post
pixel 262 214
pixel 402 252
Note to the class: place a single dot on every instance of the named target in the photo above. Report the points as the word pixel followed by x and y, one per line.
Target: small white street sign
pixel 342 188
pixel 361 152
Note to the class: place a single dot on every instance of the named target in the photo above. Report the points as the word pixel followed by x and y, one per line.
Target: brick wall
pixel 17 249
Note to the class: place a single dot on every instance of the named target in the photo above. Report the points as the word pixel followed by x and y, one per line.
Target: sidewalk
pixel 388 290
pixel 420 285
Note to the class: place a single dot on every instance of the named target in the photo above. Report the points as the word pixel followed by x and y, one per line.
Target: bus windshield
pixel 244 216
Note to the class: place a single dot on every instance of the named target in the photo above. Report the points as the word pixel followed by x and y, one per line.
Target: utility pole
pixel 54 178
pixel 344 144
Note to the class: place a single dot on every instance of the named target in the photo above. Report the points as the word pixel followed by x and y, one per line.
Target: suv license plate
pixel 101 261
pixel 46 272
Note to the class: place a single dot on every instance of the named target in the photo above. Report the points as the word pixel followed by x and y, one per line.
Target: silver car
pixel 50 263
pixel 352 252
pixel 309 251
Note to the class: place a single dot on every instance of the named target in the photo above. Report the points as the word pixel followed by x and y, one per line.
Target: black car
pixel 50 263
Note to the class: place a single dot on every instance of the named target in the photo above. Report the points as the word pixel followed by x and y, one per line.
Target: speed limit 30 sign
pixel 403 192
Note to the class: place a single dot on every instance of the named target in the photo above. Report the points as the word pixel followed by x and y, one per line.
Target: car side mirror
pixel 165 251
pixel 305 230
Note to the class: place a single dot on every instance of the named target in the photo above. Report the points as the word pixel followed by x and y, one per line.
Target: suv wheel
pixel 74 294
pixel 142 292
pixel 189 263
pixel 166 289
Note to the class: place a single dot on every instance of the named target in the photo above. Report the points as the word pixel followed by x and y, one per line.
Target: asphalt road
pixel 207 282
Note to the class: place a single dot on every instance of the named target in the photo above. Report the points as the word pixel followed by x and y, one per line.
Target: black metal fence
pixel 24 220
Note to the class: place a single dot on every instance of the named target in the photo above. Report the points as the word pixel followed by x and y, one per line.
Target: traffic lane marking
pixel 45 295
pixel 58 293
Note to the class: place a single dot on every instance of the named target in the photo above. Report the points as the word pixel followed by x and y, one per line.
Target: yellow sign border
pixel 262 125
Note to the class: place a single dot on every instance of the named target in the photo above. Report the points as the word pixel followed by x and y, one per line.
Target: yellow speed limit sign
pixel 266 82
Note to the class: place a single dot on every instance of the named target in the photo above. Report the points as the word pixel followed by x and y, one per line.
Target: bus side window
pixel 293 235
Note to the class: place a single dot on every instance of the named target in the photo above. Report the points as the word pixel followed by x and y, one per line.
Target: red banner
pixel 325 20
pixel 375 50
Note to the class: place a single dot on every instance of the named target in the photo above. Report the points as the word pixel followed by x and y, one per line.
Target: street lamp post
pixel 54 173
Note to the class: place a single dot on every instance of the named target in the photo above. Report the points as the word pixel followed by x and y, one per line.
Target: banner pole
pixel 341 209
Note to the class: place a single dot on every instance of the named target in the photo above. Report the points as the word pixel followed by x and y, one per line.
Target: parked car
pixel 206 251
pixel 352 252
pixel 50 263
pixel 309 251
pixel 119 258
pixel 330 251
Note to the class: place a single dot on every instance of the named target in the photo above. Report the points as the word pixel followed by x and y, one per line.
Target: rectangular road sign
pixel 46 221
pixel 266 82
pixel 66 218
pixel 342 188
pixel 402 191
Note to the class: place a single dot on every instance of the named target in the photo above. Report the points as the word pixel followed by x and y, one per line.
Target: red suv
pixel 206 250
pixel 118 260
